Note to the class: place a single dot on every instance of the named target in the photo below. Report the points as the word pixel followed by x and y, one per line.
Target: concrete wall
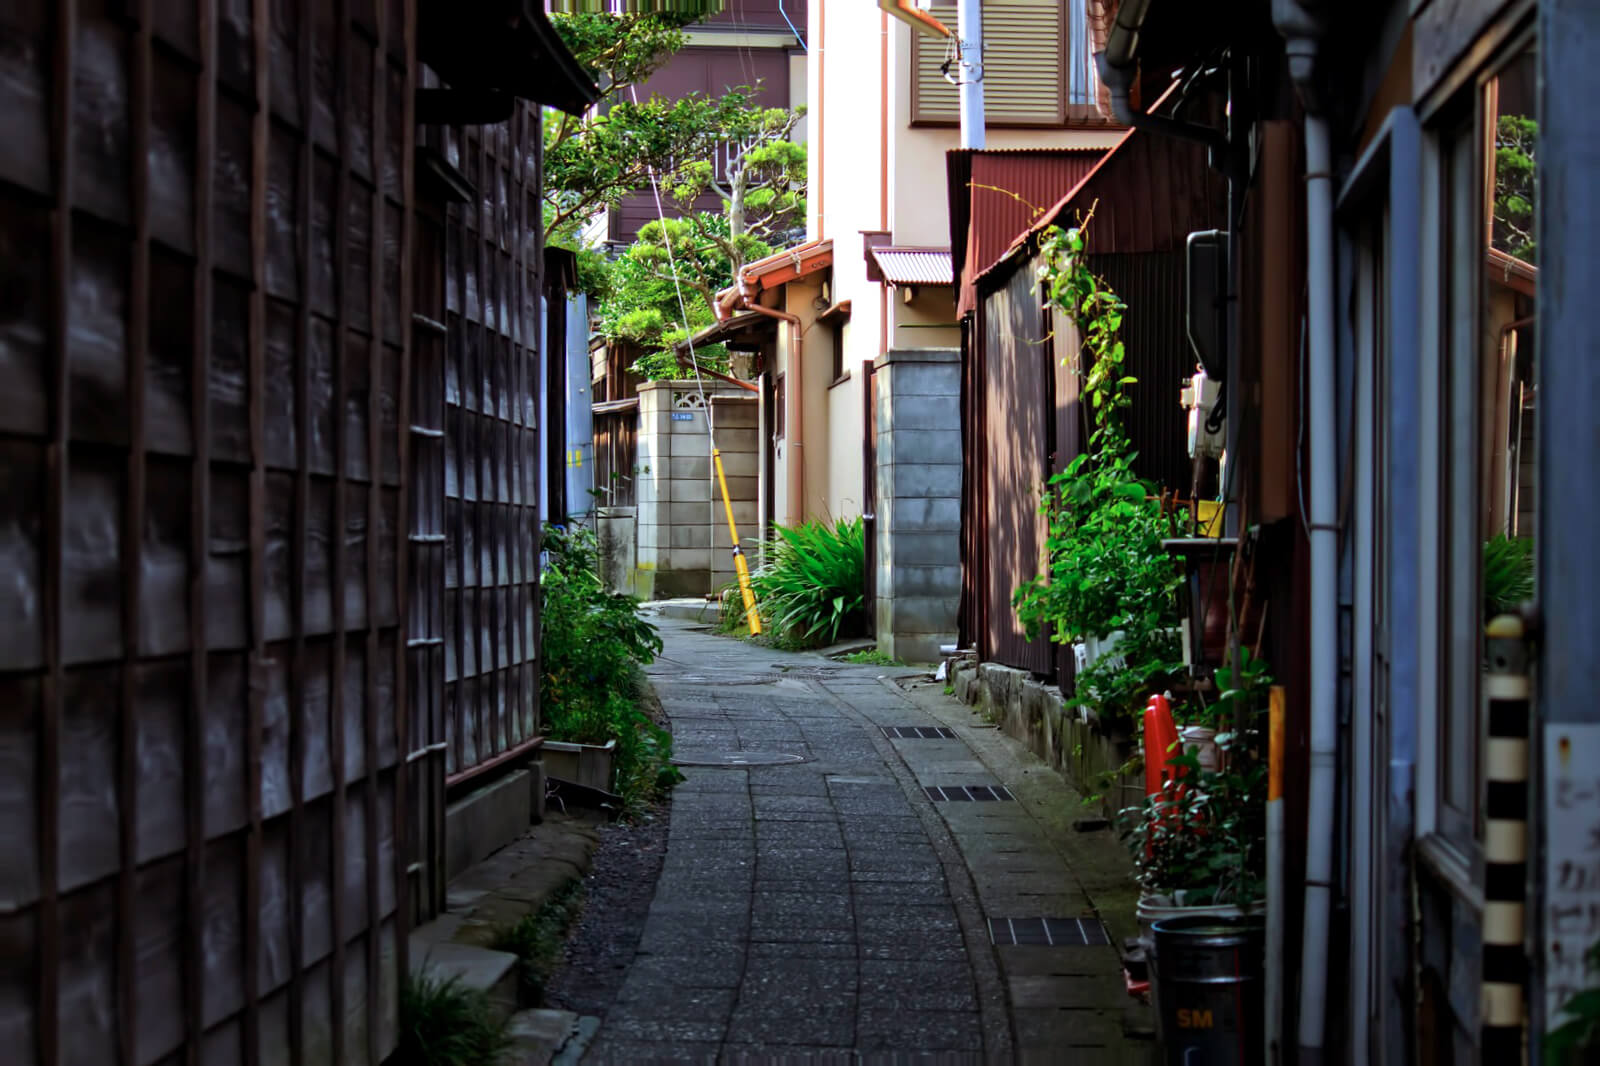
pixel 682 530
pixel 618 530
pixel 919 501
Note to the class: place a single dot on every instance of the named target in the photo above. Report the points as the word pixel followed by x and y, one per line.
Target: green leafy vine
pixel 1107 573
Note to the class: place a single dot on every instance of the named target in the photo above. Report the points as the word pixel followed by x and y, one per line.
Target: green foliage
pixel 1515 172
pixel 1108 572
pixel 812 591
pixel 444 1023
pixel 1206 834
pixel 1507 573
pixel 589 160
pixel 594 643
pixel 762 194
pixel 1577 1038
pixel 643 307
pixel 536 939
pixel 592 162
pixel 874 657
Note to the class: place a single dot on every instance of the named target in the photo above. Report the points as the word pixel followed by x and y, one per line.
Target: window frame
pixel 1451 835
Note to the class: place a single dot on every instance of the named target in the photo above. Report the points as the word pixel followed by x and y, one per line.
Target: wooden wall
pixel 204 300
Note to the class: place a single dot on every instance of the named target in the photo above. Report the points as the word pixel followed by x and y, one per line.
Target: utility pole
pixel 969 47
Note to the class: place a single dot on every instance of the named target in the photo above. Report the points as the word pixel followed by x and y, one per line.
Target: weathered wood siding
pixel 204 343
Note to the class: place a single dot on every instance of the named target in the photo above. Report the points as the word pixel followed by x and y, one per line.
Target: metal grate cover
pixel 917 732
pixel 1048 932
pixel 968 793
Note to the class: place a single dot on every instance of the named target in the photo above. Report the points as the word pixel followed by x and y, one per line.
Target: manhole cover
pixel 740 758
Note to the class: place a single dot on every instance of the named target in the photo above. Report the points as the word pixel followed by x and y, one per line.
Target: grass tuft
pixel 445 1023
pixel 537 939
pixel 871 657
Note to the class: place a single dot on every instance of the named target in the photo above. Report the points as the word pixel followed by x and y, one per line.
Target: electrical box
pixel 1206 299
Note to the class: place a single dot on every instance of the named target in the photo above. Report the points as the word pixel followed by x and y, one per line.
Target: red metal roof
pixel 913 266
pixel 1147 194
pixel 997 194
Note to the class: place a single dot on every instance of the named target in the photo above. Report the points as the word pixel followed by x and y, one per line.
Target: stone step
pixel 493 973
pixel 544 1037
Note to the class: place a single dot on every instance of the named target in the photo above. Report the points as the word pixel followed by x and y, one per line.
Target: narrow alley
pixel 829 889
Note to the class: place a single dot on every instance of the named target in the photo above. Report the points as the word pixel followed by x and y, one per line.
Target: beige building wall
pixel 857 186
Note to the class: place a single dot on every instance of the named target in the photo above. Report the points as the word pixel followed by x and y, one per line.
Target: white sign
pixel 1571 918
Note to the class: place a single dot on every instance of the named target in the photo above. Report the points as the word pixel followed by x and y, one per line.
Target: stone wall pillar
pixel 683 545
pixel 918 397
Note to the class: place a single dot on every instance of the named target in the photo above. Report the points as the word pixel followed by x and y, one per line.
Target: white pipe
pixel 1324 593
pixel 969 39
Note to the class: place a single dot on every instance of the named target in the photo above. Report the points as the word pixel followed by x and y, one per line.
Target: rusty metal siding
pixel 1158 354
pixel 995 196
pixel 1017 415
pixel 200 683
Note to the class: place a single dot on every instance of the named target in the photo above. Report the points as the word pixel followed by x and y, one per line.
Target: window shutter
pixel 1024 48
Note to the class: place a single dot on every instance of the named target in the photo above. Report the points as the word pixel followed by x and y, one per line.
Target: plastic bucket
pixel 1208 982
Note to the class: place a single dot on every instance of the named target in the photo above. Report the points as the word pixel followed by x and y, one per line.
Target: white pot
pixel 1155 906
pixel 1200 742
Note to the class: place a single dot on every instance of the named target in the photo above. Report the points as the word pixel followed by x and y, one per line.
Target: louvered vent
pixel 1024 49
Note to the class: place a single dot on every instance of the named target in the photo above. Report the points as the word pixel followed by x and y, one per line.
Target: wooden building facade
pixel 271 575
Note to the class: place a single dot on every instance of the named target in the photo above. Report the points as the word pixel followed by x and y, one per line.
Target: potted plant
pixel 1199 847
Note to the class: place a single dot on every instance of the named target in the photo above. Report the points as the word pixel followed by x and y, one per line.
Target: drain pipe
pixel 1302 26
pixel 793 410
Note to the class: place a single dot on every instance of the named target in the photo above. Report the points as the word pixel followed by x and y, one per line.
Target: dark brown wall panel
pixel 201 459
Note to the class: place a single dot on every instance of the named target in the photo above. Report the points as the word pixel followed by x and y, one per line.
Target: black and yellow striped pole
pixel 746 593
pixel 1505 867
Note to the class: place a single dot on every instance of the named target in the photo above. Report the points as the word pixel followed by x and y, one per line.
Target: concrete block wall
pixel 919 501
pixel 683 547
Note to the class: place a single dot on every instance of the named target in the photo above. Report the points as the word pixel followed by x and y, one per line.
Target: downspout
pixel 1302 26
pixel 794 410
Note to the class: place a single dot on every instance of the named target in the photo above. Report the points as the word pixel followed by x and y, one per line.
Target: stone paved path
pixel 815 906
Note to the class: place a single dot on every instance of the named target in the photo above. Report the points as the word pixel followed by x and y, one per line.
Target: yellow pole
pixel 745 591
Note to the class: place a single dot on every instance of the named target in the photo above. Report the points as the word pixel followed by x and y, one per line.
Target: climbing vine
pixel 1107 573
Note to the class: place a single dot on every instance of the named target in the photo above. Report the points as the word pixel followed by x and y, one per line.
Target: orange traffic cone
pixel 1160 745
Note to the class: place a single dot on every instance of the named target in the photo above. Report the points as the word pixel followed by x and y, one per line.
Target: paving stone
pixel 1062 1027
pixel 804 914
pixel 890 1029
pixel 624 1052
pixel 829 1024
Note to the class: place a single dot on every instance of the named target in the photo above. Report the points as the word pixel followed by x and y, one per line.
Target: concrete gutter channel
pixel 1026 860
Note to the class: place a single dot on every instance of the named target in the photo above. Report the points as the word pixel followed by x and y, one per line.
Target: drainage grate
pixel 964 793
pixel 1048 932
pixel 917 732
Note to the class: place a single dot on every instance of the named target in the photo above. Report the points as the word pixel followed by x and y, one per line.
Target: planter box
pixel 590 765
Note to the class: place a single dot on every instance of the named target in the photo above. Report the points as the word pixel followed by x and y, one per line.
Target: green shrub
pixel 444 1023
pixel 594 643
pixel 812 591
pixel 1507 573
